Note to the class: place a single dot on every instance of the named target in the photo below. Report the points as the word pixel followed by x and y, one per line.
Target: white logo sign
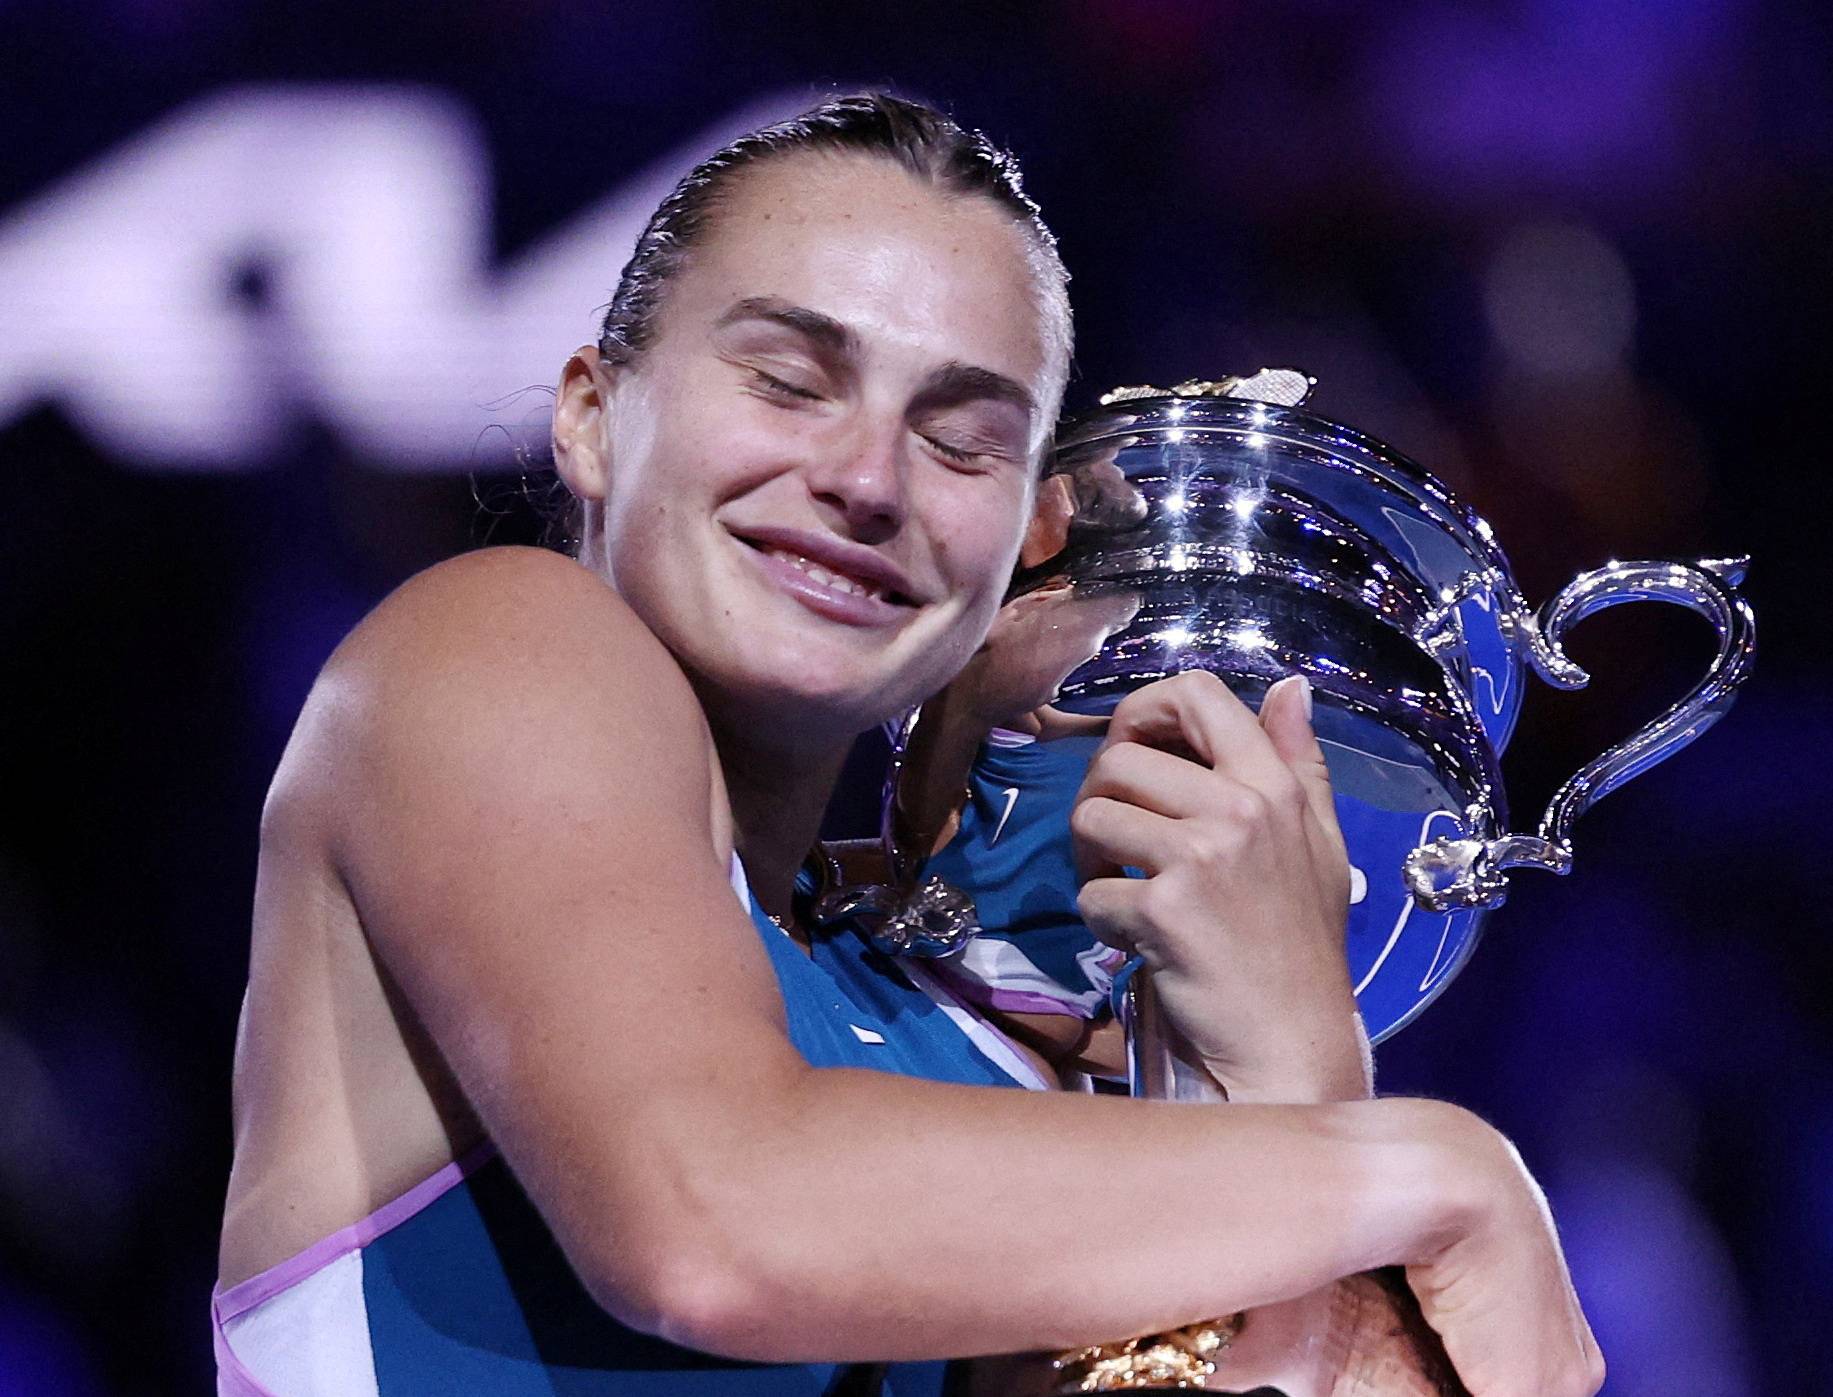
pixel 363 216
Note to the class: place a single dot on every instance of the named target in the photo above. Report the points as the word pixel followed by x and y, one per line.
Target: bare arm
pixel 527 833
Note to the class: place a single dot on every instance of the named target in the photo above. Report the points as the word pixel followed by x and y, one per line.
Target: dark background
pixel 1572 256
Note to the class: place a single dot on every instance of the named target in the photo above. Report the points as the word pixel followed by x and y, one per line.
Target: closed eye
pixel 773 387
pixel 953 453
pixel 970 450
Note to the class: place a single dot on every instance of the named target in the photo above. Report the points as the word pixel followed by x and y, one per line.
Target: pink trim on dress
pixel 1006 1000
pixel 232 1378
pixel 1009 738
pixel 981 995
pixel 242 1297
pixel 993 1043
pixel 1028 1002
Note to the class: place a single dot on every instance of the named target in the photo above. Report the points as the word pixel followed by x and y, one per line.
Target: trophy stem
pixel 1159 1065
pixel 1159 1068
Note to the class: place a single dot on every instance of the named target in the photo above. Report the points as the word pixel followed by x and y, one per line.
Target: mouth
pixel 837 581
pixel 851 600
pixel 814 568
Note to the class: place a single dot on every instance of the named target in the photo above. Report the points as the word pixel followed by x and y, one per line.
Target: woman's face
pixel 816 477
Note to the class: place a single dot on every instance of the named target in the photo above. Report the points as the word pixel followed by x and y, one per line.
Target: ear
pixel 582 424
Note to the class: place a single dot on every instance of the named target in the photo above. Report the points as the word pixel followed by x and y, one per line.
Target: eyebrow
pixel 823 330
pixel 954 382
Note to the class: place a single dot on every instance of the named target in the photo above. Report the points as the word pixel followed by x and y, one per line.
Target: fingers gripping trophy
pixel 1217 530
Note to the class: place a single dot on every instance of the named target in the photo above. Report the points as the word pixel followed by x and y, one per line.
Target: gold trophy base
pixel 1178 1358
pixel 1364 1336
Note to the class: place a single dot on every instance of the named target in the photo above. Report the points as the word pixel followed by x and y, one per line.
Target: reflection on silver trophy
pixel 1218 526
pixel 1274 542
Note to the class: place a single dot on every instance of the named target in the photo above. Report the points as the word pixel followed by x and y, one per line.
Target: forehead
pixel 915 271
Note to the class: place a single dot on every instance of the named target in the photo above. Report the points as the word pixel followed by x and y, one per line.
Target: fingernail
pixel 1304 688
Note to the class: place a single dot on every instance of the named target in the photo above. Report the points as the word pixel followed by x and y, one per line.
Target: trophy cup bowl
pixel 1273 542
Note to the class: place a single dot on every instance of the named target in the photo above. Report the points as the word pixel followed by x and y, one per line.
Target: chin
pixel 834 690
pixel 813 689
pixel 775 662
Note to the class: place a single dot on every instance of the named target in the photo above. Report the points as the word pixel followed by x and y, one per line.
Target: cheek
pixel 633 517
pixel 980 548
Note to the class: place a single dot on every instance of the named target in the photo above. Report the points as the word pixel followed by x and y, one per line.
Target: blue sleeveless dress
pixel 458 1286
pixel 1013 855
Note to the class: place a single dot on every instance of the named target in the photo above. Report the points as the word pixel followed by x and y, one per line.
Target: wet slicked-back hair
pixel 919 139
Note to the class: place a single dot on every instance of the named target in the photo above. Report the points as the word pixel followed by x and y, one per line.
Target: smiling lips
pixel 826 578
pixel 838 580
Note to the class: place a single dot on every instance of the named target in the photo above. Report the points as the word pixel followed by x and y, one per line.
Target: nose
pixel 859 481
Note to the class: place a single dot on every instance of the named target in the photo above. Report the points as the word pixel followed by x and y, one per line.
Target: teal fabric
pixel 473 1295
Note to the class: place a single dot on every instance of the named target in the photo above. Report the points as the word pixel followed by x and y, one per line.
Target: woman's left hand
pixel 1242 911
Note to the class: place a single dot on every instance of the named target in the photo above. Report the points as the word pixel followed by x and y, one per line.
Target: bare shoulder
pixel 506 662
pixel 527 591
pixel 515 786
pixel 510 784
pixel 500 730
pixel 515 617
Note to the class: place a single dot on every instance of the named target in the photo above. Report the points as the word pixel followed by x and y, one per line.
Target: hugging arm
pixel 531 839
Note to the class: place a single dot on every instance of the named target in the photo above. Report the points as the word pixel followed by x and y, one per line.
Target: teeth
pixel 826 578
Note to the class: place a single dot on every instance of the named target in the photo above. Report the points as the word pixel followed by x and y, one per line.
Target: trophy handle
pixel 1452 874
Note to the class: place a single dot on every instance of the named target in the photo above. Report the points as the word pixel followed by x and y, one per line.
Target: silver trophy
pixel 1273 542
pixel 1255 540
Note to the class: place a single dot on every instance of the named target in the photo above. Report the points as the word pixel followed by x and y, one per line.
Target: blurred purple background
pixel 279 287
